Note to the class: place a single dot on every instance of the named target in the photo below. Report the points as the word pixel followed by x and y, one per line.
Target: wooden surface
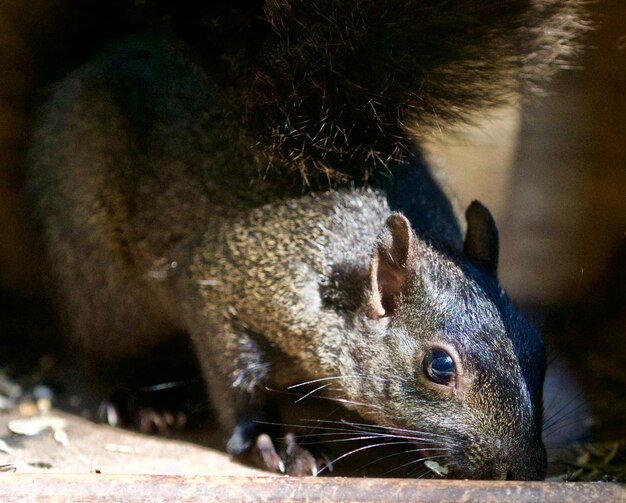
pixel 91 447
pixel 101 488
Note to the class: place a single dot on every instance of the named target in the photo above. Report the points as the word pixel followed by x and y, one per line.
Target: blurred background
pixel 553 172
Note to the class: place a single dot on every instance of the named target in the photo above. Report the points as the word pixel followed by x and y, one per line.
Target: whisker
pixel 312 392
pixel 401 453
pixel 352 435
pixel 377 445
pixel 329 398
pixel 550 405
pixel 560 426
pixel 555 428
pixel 578 398
pixel 396 440
pixel 337 440
pixel 349 402
pixel 563 414
pixel 353 451
pixel 321 379
pixel 426 473
pixel 167 385
pixel 366 426
pixel 369 436
pixel 420 460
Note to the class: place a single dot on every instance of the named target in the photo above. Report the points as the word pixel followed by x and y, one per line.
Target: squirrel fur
pixel 336 90
pixel 168 202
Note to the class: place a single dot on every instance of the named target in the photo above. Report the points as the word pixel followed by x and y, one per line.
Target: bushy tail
pixel 338 88
pixel 345 87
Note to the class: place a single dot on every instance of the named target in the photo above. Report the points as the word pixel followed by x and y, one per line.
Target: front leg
pixel 237 364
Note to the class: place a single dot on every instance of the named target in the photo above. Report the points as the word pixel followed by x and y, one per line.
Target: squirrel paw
pixel 266 456
pixel 271 452
pixel 293 459
pixel 299 461
pixel 144 419
pixel 148 420
pixel 290 459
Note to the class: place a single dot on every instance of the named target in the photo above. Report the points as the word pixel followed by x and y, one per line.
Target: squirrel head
pixel 456 362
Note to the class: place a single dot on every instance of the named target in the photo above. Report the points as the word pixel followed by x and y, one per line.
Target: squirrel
pixel 267 196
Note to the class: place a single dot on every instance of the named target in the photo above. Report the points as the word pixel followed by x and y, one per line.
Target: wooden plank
pixel 104 488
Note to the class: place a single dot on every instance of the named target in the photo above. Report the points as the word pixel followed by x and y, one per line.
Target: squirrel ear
pixel 481 245
pixel 391 259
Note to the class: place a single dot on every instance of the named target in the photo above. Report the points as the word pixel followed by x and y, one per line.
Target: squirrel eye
pixel 439 367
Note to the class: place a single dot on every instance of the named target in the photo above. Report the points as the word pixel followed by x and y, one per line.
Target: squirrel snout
pixel 531 465
pixel 500 459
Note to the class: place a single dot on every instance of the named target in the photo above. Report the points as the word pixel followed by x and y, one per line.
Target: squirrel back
pixel 155 218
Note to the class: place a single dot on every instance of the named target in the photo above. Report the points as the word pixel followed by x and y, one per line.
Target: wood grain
pixel 129 488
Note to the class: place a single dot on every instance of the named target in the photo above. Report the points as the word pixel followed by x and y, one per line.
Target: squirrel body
pixel 157 222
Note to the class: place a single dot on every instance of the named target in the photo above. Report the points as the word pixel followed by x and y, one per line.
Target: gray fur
pixel 153 226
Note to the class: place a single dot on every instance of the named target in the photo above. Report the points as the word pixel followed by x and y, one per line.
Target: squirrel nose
pixel 529 465
pixel 518 464
pixel 503 459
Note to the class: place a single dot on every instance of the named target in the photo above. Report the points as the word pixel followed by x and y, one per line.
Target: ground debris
pixel 605 462
pixel 32 426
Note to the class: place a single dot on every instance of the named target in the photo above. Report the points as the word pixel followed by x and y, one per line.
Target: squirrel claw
pixel 267 455
pixel 299 461
pixel 265 450
pixel 293 459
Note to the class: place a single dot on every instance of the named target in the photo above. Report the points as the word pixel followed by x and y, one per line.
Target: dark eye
pixel 439 367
